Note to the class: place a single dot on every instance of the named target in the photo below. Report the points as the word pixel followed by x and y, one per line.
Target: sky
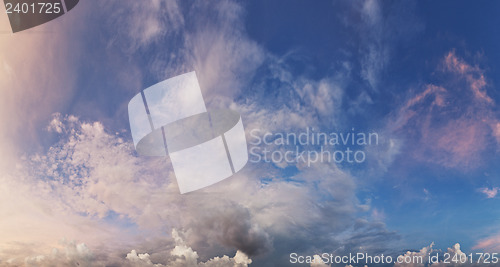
pixel 421 75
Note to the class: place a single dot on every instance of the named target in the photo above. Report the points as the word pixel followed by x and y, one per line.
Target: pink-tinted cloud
pixel 430 89
pixel 490 193
pixel 434 94
pixel 451 142
pixel 491 243
pixel 459 142
pixel 444 125
pixel 472 74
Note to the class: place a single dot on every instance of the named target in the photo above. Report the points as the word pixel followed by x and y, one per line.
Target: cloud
pixel 79 254
pixel 444 127
pixel 73 254
pixel 381 26
pixel 370 237
pixel 377 52
pixel 490 193
pixel 318 262
pixel 91 187
pixel 148 22
pixel 414 257
pixel 224 57
pixel 79 183
pixel 36 79
pixel 455 252
pixel 298 102
pixel 472 74
pixel 491 243
pixel 182 255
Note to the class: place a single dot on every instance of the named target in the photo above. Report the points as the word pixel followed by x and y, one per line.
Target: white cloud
pixel 298 102
pixel 413 257
pixel 376 54
pixel 72 190
pixel 380 26
pixel 456 256
pixel 148 23
pixel 184 256
pixel 66 254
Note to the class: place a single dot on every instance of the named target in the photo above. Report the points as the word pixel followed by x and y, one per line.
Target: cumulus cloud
pixel 182 255
pixel 92 177
pixel 413 257
pixel 78 254
pixel 428 256
pixel 318 262
pixel 70 254
pixel 456 253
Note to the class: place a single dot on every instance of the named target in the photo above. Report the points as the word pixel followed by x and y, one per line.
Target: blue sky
pixel 422 75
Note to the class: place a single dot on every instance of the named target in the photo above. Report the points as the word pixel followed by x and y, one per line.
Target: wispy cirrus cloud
pixel 377 52
pixel 491 243
pixel 381 28
pixel 472 74
pixel 443 126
